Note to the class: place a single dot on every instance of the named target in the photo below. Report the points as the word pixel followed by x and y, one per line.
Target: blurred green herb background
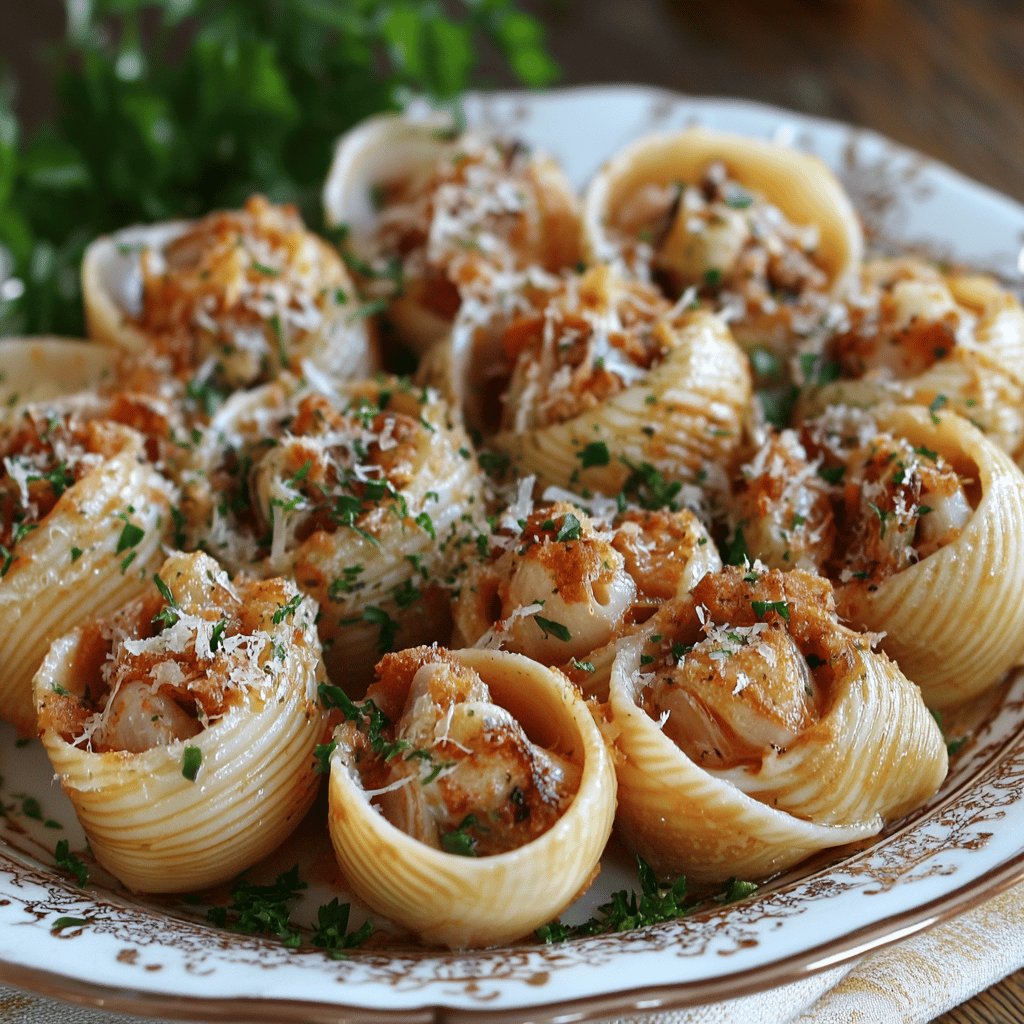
pixel 171 109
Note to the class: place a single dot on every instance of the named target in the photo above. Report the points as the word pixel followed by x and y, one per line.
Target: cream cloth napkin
pixel 909 983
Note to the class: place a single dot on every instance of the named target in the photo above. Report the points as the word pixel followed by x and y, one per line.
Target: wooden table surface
pixel 943 76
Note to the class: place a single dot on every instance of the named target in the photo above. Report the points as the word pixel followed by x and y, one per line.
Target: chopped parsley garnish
pixel 262 909
pixel 60 478
pixel 570 528
pixel 217 635
pixel 346 583
pixel 648 488
pixel 656 902
pixel 67 862
pixel 713 277
pixel 331 932
pixel 583 666
pixel 926 453
pixel 130 535
pixel 190 763
pixel 388 627
pixel 69 922
pixel 761 608
pixel 550 628
pixel 426 524
pixel 736 551
pixel 459 841
pixel 76 554
pixel 168 615
pixel 286 610
pixel 832 474
pixel 594 454
pixel 818 371
pixel 884 515
pixel 777 405
pixel 937 403
pixel 322 757
pixel 736 890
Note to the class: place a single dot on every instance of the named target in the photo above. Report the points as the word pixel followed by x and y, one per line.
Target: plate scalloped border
pixel 944 860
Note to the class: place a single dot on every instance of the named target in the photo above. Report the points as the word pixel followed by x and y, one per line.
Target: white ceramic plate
pixel 160 958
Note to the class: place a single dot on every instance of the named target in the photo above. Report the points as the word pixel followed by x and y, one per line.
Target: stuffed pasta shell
pixel 83 515
pixel 601 379
pixel 913 334
pixel 758 230
pixel 471 796
pixel 435 219
pixel 360 494
pixel 754 730
pixel 561 587
pixel 917 518
pixel 226 302
pixel 182 727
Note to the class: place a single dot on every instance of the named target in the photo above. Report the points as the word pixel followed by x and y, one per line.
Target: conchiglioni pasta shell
pixel 800 185
pixel 954 620
pixel 112 291
pixel 684 820
pixel 156 830
pixel 982 379
pixel 445 484
pixel 388 147
pixel 483 901
pixel 37 369
pixel 685 416
pixel 46 592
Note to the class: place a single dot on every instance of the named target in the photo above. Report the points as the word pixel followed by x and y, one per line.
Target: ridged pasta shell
pixel 36 369
pixel 752 820
pixel 461 901
pixel 148 822
pixel 954 620
pixel 390 148
pixel 685 416
pixel 800 185
pixel 981 378
pixel 78 563
pixel 325 327
pixel 378 577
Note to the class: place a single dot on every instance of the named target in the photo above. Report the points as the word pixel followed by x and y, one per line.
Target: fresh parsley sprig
pixel 168 110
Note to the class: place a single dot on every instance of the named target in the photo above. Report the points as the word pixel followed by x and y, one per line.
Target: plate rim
pixel 651 998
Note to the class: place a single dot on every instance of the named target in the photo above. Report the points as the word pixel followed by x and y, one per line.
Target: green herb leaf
pixel 67 862
pixel 190 762
pixel 761 608
pixel 555 629
pixel 594 454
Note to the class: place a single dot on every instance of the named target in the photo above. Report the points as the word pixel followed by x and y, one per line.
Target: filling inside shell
pixel 749 668
pixel 904 320
pixel 293 467
pixel 239 296
pixel 729 242
pixel 179 658
pixel 447 765
pixel 842 497
pixel 559 584
pixel 447 229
